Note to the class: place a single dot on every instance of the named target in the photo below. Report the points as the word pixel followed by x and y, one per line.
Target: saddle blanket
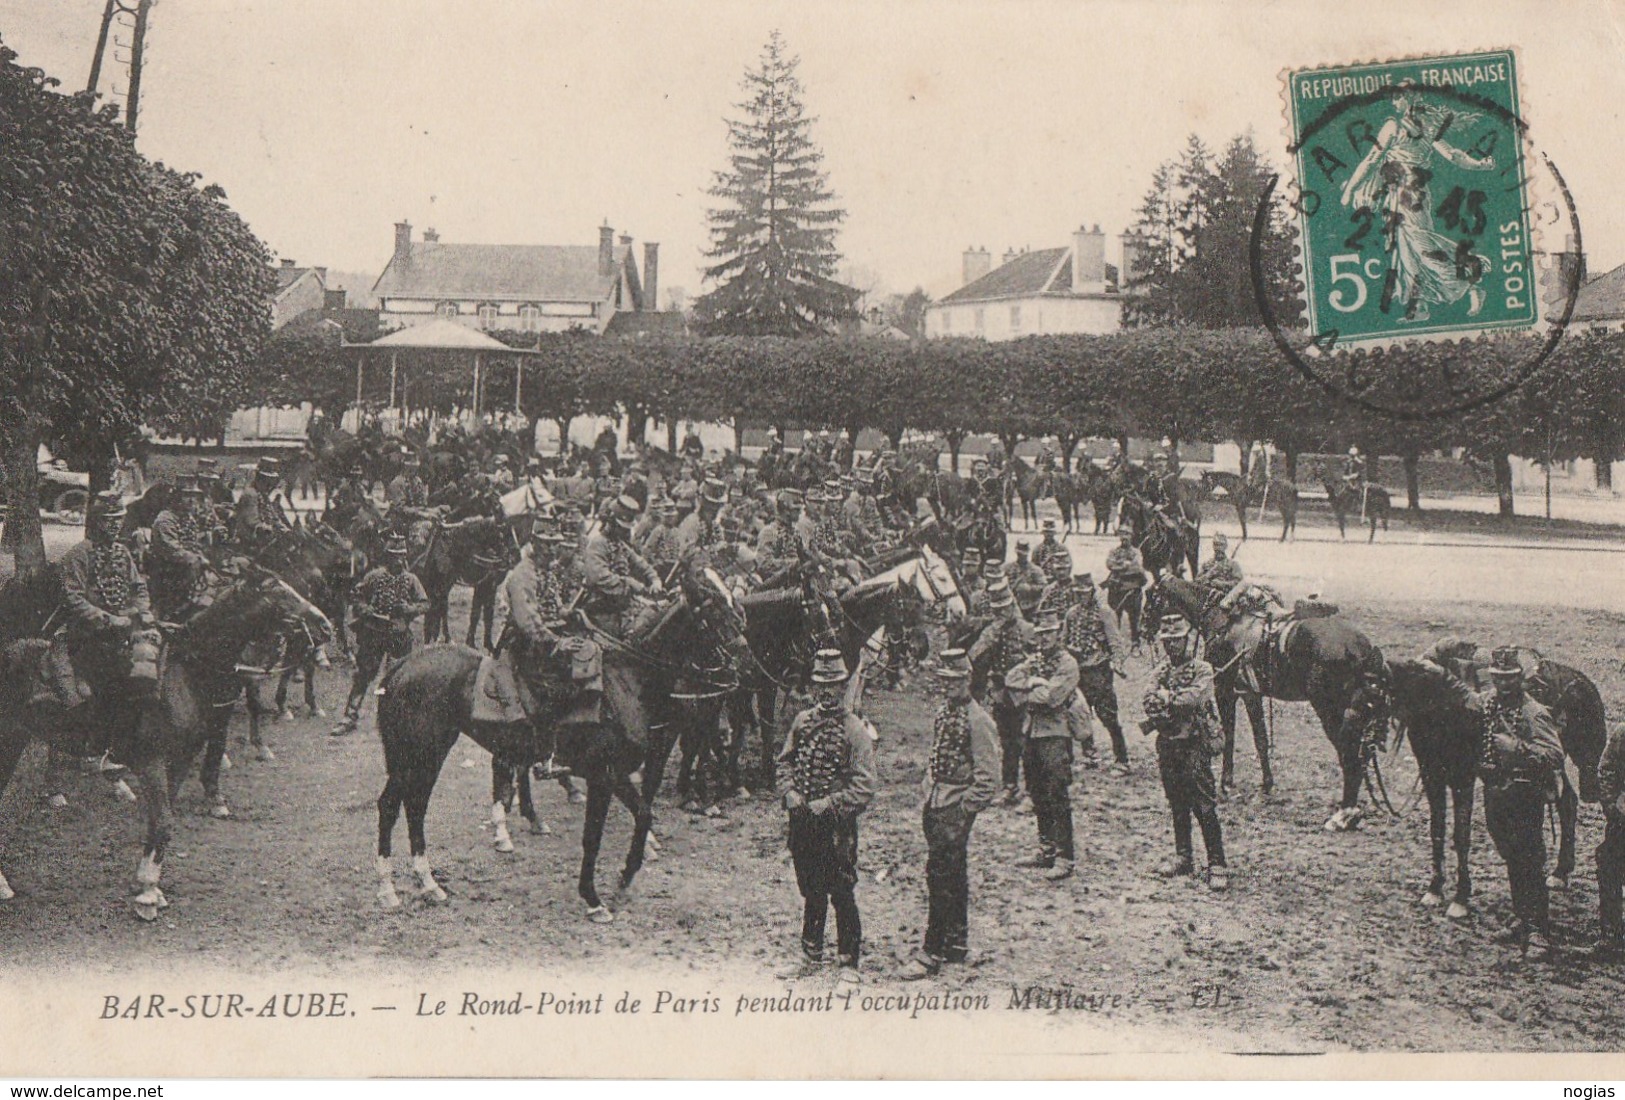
pixel 498 694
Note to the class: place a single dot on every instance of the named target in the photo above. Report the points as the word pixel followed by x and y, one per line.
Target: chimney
pixel 287 265
pixel 606 250
pixel 1009 254
pixel 1089 261
pixel 1133 267
pixel 431 235
pixel 977 262
pixel 335 300
pixel 651 275
pixel 403 242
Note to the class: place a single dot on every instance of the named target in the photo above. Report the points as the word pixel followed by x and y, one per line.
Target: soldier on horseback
pixel 407 489
pixel 176 556
pixel 661 546
pixel 105 603
pixel 1180 709
pixel 348 498
pixel 386 601
pixel 1353 474
pixel 260 516
pixel 1221 574
pixel 1520 757
pixel 613 573
pixel 778 547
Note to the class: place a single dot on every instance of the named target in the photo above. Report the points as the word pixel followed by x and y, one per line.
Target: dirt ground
pixel 1320 944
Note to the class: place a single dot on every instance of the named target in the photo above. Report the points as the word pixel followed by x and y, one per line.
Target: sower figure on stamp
pixel 1049 682
pixel 386 601
pixel 961 780
pixel 1611 852
pixel 1002 645
pixel 826 778
pixel 1519 758
pixel 1089 634
pixel 1181 711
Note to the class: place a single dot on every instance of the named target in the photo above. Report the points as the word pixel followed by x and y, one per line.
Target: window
pixel 1015 318
pixel 446 309
pixel 530 318
pixel 979 319
pixel 487 314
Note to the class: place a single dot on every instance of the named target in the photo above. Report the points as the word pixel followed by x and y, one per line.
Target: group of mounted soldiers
pixel 1029 671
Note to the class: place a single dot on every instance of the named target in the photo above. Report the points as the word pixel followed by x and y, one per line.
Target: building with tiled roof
pixel 298 290
pixel 1600 305
pixel 1043 291
pixel 528 288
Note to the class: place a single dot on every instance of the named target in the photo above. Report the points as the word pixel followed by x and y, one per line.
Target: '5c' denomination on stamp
pixel 1413 211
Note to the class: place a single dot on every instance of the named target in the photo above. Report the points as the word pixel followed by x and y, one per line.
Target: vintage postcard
pixel 859 540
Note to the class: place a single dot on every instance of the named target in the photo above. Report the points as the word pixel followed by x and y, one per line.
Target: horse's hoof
pixel 220 810
pixel 600 914
pixel 225 762
pixel 1457 911
pixel 58 801
pixel 318 712
pixel 388 898
pixel 540 828
pixel 163 902
pixel 504 844
pixel 122 792
pixel 264 754
pixel 6 892
pixel 286 715
pixel 1430 900
pixel 1557 882
pixel 148 913
pixel 432 895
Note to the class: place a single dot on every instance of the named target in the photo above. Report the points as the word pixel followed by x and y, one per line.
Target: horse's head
pixel 261 606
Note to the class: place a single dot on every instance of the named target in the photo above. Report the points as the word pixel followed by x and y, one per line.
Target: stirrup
pixel 547 769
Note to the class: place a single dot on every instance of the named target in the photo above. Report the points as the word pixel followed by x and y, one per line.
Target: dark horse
pixel 1325 662
pixel 478 552
pixel 1160 547
pixel 1443 721
pixel 199 678
pixel 1375 504
pixel 428 703
pixel 1243 494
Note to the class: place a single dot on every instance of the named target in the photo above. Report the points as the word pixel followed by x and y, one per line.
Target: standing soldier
pixel 1050 678
pixel 105 601
pixel 386 601
pixel 1181 711
pixel 1126 580
pixel 961 779
pixel 1090 635
pixel 1519 761
pixel 1002 645
pixel 1053 558
pixel 1027 581
pixel 176 554
pixel 1611 852
pixel 826 779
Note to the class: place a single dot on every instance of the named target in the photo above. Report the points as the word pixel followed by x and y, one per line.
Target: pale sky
pixel 945 124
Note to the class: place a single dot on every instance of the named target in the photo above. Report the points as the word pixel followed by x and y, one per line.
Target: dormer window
pixel 487 314
pixel 446 309
pixel 530 318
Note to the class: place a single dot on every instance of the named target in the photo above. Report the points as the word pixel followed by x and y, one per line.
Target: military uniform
pixel 407 490
pixel 778 548
pixel 1610 855
pixel 1181 709
pixel 1519 760
pixel 1125 584
pixel 385 604
pixel 661 547
pixel 828 761
pixel 1028 582
pixel 612 573
pixel 258 516
pixel 1089 633
pixel 176 560
pixel 100 586
pixel 1002 645
pixel 1047 753
pixel 1053 558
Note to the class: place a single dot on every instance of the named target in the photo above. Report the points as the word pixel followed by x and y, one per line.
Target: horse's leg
pixel 1241 513
pixel 389 811
pixel 284 712
pixel 1462 802
pixel 767 722
pixel 150 897
pixel 1342 530
pixel 311 705
pixel 1227 721
pixel 527 805
pixel 417 809
pixel 488 611
pixel 1433 786
pixel 600 787
pixel 11 751
pixel 214 751
pixel 1261 742
pixel 642 821
pixel 255 706
pixel 1568 817
pixel 502 792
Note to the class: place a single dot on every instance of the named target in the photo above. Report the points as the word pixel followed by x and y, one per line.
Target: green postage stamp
pixel 1412 209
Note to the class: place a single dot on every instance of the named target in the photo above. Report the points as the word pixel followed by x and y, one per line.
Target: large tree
pixel 773 238
pixel 132 296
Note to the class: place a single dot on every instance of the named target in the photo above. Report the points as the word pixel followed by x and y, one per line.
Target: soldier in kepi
pixel 1027 580
pixel 540 655
pixel 259 516
pixel 104 600
pixel 1002 645
pixel 961 780
pixel 1181 711
pixel 1126 580
pixel 1221 574
pixel 1052 557
pixel 1519 761
pixel 1090 635
pixel 176 559
pixel 614 574
pixel 386 601
pixel 826 779
pixel 1049 681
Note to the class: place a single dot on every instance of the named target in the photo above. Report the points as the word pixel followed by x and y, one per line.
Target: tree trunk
pixel 101 461
pixel 1246 446
pixel 1604 474
pixel 1413 481
pixel 1122 442
pixel 24 536
pixel 1503 483
pixel 1289 462
pixel 563 423
pixel 1069 444
pixel 671 435
pixel 955 441
pixel 1548 465
pixel 896 439
pixel 1011 441
pixel 739 440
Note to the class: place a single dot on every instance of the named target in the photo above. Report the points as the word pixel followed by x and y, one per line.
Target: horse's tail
pixel 1584 727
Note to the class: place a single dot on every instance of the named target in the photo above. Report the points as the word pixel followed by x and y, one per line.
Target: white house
pixel 1071 289
pixel 529 288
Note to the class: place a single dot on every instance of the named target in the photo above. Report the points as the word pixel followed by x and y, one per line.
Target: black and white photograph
pixel 993 539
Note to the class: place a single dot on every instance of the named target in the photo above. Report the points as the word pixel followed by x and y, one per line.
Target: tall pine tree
pixel 773 240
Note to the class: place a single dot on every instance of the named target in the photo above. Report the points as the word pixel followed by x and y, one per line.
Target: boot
pixel 1061 870
pixel 347 724
pixel 1042 860
pixel 1539 948
pixel 1175 866
pixel 920 967
pixel 1218 878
